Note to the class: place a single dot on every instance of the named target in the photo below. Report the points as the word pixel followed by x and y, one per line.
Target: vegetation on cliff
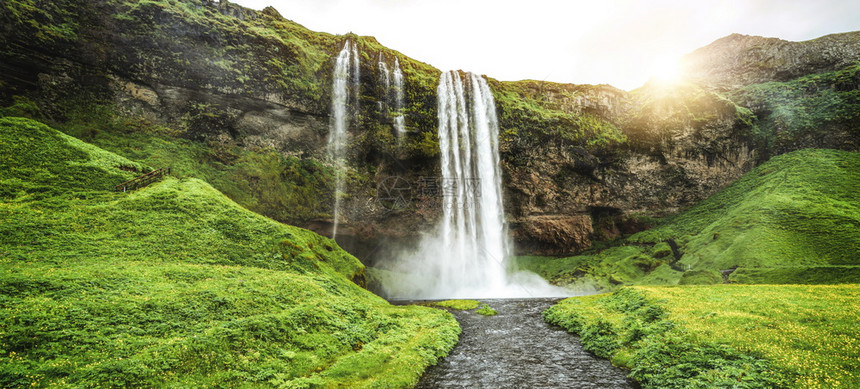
pixel 810 111
pixel 750 336
pixel 175 284
pixel 177 78
pixel 188 81
pixel 533 113
pixel 664 114
pixel 790 220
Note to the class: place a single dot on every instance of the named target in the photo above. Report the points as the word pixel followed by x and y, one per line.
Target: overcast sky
pixel 618 42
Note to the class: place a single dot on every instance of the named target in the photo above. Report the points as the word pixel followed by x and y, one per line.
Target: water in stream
pixel 517 349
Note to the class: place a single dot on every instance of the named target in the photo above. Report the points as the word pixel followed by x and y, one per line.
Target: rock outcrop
pixel 739 60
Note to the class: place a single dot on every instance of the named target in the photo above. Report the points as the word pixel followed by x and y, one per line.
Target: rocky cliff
pixel 241 99
pixel 739 60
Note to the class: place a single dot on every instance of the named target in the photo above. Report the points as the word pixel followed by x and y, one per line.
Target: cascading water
pixel 356 78
pixel 385 80
pixel 399 119
pixel 340 119
pixel 392 95
pixel 473 227
pixel 468 254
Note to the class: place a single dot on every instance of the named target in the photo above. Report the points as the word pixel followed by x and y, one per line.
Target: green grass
pixel 39 161
pixel 797 275
pixel 286 188
pixel 787 212
pixel 460 305
pixel 486 310
pixel 464 305
pixel 176 285
pixel 792 216
pixel 725 335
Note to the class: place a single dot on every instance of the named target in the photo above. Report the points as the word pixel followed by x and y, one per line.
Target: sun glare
pixel 665 70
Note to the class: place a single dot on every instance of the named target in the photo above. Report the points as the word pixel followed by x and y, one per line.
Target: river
pixel 517 349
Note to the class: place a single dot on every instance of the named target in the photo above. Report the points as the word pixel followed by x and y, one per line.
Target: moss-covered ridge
pixel 787 221
pixel 215 47
pixel 175 284
pixel 235 51
pixel 814 110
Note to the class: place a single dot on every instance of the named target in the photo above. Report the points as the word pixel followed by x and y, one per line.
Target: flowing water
pixel 346 64
pixel 399 119
pixel 385 81
pixel 517 349
pixel 473 227
pixel 356 78
pixel 391 103
pixel 467 256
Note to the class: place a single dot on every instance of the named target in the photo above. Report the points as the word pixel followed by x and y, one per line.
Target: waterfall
pixel 399 119
pixel 356 78
pixel 473 225
pixel 467 255
pixel 340 119
pixel 385 80
pixel 392 95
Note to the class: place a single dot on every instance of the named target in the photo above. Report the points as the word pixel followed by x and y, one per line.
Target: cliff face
pixel 740 60
pixel 678 145
pixel 241 98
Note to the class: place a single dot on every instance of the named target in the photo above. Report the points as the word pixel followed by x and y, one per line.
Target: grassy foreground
pixel 176 285
pixel 747 336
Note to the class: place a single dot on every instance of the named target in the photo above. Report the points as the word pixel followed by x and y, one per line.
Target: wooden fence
pixel 143 180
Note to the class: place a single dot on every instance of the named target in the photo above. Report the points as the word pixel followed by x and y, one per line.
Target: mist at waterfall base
pixel 467 256
pixel 415 274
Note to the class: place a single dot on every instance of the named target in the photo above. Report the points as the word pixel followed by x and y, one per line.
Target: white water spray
pixel 399 119
pixel 337 136
pixel 385 80
pixel 392 95
pixel 356 79
pixel 468 255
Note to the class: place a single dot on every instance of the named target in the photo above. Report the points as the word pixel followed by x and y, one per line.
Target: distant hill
pixel 176 285
pixel 739 60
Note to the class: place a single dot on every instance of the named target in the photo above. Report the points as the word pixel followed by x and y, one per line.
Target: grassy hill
pixel 176 285
pixel 748 336
pixel 794 219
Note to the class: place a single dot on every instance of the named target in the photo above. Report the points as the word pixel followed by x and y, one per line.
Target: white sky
pixel 618 42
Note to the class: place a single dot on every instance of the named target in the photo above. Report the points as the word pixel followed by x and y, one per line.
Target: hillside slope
pixel 175 284
pixel 794 219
